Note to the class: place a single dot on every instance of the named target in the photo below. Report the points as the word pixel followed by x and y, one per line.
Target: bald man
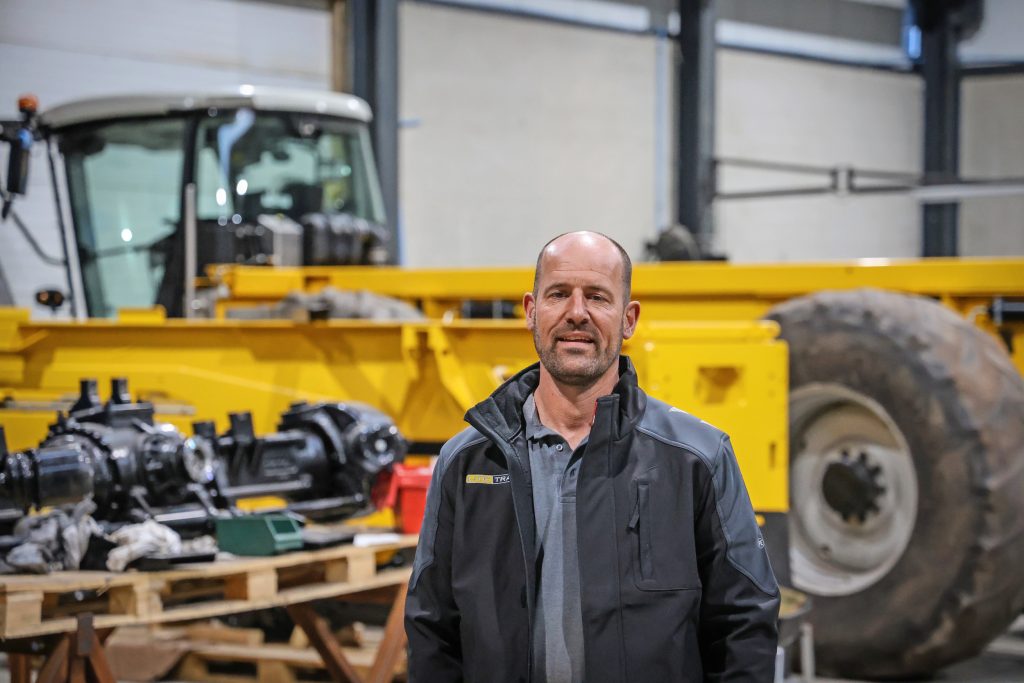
pixel 579 530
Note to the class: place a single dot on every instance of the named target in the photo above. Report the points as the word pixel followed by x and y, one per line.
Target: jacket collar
pixel 501 414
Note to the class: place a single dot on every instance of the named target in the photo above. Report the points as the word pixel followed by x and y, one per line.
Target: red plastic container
pixel 407 493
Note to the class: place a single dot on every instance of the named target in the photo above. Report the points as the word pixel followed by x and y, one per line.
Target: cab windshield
pixel 125 179
pixel 249 163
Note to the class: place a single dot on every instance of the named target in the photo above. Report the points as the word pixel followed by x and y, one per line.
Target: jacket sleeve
pixel 740 599
pixel 431 616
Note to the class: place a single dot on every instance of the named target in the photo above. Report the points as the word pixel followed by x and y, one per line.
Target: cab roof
pixel 255 97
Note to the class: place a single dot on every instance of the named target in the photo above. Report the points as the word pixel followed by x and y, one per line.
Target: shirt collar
pixel 534 428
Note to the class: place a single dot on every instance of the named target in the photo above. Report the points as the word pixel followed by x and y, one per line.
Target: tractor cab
pixel 158 187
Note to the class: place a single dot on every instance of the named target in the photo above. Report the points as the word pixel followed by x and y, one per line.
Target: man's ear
pixel 629 319
pixel 530 308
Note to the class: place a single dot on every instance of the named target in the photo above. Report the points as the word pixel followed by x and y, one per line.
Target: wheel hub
pixel 853 490
pixel 851 487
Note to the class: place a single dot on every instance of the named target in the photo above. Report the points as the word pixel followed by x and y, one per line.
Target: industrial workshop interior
pixel 511 340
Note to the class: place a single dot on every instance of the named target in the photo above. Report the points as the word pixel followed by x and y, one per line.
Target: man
pixel 581 531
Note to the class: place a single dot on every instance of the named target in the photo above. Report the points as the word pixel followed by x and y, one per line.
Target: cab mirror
pixel 19 136
pixel 17 162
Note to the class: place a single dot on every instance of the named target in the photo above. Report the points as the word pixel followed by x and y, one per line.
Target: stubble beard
pixel 567 369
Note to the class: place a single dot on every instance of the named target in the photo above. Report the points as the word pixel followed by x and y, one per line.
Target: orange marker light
pixel 28 104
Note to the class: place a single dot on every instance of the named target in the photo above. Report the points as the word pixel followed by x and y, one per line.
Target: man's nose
pixel 578 313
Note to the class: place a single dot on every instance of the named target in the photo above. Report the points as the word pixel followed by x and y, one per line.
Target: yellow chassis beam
pixel 939 277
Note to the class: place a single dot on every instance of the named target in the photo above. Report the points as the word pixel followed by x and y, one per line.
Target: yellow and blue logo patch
pixel 487 479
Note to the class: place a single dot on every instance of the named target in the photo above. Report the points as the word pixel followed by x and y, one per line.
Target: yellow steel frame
pixel 425 374
pixel 667 291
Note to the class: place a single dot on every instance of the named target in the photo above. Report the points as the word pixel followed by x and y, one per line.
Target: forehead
pixel 583 259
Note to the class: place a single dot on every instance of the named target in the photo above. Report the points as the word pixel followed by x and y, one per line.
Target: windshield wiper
pixel 160 244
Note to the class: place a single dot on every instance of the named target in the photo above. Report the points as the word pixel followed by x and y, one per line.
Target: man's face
pixel 579 315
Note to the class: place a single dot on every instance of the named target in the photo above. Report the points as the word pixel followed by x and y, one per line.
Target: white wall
pixel 526 129
pixel 63 50
pixel 783 109
pixel 992 146
pixel 998 38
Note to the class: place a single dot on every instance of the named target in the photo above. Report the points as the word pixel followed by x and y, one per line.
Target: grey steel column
pixel 695 170
pixel 941 67
pixel 373 34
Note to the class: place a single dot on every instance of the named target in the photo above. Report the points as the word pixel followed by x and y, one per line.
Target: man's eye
pixel 597 297
pixel 557 295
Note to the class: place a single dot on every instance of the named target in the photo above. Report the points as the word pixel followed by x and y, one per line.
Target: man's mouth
pixel 574 339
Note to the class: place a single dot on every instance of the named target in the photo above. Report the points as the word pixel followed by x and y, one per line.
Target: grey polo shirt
pixel 558 621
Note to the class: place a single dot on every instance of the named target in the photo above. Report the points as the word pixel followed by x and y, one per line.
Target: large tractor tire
pixel 906 481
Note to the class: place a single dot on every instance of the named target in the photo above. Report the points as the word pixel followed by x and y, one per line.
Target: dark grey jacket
pixel 675 579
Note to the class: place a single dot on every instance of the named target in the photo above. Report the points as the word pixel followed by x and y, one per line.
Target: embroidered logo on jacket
pixel 487 479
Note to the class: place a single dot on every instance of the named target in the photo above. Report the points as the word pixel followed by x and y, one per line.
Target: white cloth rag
pixel 139 540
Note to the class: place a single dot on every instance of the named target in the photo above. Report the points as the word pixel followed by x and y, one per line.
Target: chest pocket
pixel 661 534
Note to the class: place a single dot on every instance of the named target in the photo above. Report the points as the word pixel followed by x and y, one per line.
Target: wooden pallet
pixel 38 605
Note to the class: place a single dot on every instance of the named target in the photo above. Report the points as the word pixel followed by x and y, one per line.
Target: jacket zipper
pixel 510 458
